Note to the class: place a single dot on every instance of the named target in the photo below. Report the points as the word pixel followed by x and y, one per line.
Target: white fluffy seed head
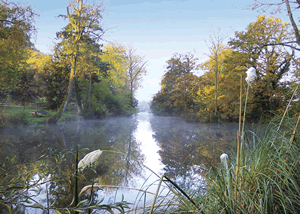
pixel 224 158
pixel 89 159
pixel 251 75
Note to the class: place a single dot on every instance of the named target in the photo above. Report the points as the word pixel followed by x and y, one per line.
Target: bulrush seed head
pixel 251 75
pixel 224 158
pixel 89 159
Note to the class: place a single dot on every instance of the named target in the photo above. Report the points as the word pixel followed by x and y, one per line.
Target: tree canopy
pixel 276 70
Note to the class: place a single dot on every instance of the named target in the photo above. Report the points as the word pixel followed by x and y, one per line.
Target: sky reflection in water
pixel 182 151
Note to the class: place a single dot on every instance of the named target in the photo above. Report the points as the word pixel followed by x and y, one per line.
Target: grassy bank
pixel 22 116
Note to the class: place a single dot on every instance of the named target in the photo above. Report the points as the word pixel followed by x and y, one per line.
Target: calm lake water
pixel 136 151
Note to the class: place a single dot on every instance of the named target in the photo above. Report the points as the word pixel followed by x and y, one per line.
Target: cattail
pixel 251 75
pixel 89 159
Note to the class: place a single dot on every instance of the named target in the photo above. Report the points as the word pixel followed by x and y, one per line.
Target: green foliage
pixel 179 86
pixel 197 98
pixel 162 104
pixel 268 93
pixel 55 81
pixel 268 180
pixel 16 28
pixel 16 118
pixel 103 102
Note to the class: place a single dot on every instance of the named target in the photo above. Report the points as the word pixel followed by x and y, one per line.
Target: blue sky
pixel 157 29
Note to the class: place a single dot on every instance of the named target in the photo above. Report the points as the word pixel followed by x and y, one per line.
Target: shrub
pixel 14 119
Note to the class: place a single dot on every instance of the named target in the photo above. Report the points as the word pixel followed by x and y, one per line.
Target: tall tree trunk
pixel 216 87
pixel 131 93
pixel 63 107
pixel 295 28
pixel 89 92
pixel 78 97
pixel 185 97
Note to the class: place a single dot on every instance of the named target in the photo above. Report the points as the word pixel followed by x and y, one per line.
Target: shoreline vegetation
pixel 84 77
pixel 13 115
pixel 262 175
pixel 265 180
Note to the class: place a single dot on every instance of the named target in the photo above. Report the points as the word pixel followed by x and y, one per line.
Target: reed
pixel 264 173
pixel 262 176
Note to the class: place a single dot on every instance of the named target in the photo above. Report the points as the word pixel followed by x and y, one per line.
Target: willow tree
pixel 84 20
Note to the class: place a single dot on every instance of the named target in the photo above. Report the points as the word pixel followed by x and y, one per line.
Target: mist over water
pixel 165 145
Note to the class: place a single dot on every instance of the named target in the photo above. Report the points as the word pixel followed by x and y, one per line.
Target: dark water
pixel 166 145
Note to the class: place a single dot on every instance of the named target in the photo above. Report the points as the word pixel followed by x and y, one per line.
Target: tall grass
pixel 262 175
pixel 268 179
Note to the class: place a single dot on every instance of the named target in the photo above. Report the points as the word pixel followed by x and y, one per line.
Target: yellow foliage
pixel 37 60
pixel 114 54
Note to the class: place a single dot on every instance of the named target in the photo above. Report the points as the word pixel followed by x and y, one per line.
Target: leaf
pixel 81 202
pixel 38 205
pixel 8 207
pixel 53 202
pixel 77 210
pixel 67 210
pixel 106 207
pixel 73 199
pixel 99 201
pixel 57 211
pixel 123 204
pixel 92 207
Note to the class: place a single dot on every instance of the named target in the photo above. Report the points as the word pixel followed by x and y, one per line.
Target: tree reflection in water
pixel 27 144
pixel 186 151
pixel 189 149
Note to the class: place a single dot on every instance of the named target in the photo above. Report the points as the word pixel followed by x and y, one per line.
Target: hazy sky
pixel 157 29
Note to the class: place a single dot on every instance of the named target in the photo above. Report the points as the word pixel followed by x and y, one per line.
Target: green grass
pixel 267 182
pixel 261 176
pixel 18 115
pixel 267 179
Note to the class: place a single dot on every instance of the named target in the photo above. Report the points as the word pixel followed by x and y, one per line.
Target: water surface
pixel 137 150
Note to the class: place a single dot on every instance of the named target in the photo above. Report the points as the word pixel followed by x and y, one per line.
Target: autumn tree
pixel 85 20
pixel 115 55
pixel 16 30
pixel 135 72
pixel 228 89
pixel 178 86
pixel 91 68
pixel 270 90
pixel 271 63
pixel 215 46
pixel 290 7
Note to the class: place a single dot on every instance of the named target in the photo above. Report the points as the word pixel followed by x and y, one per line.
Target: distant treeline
pixel 216 94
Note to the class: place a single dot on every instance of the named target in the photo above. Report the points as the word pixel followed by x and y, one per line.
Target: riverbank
pixel 17 115
pixel 11 116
